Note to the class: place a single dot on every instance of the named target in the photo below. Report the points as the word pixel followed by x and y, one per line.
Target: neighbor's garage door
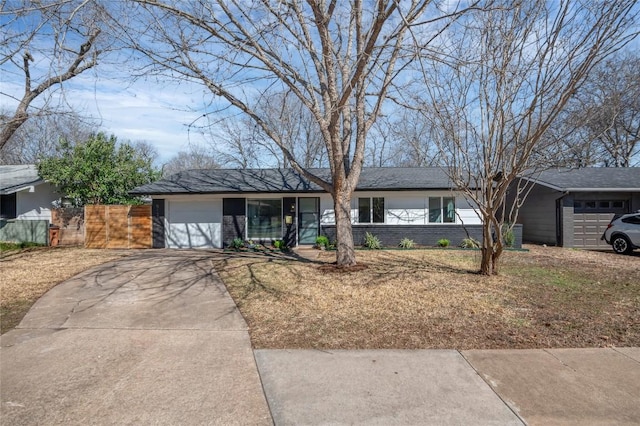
pixel 588 228
pixel 590 219
pixel 194 224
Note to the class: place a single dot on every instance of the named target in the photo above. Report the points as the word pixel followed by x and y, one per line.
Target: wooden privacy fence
pixel 70 220
pixel 118 227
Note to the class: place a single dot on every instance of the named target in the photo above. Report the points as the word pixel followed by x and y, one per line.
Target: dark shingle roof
pixel 225 181
pixel 15 178
pixel 591 179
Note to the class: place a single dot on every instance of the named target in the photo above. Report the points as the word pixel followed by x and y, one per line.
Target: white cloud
pixel 158 112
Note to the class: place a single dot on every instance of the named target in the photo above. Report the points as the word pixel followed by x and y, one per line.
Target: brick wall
pixel 424 235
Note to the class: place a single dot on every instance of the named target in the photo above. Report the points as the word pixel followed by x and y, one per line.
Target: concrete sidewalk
pixel 447 387
pixel 154 338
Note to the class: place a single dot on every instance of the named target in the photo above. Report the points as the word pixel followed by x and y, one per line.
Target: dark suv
pixel 623 233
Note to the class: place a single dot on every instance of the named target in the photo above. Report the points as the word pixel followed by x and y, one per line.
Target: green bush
pixel 443 242
pixel 322 241
pixel 280 244
pixel 371 241
pixel 406 243
pixel 237 243
pixel 508 236
pixel 470 243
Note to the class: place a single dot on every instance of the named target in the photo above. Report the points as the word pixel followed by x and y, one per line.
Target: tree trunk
pixel 487 263
pixel 346 255
pixel 492 246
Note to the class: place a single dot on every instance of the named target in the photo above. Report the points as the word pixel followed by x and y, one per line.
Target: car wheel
pixel 621 245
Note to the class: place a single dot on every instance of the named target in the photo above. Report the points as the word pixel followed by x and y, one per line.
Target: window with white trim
pixel 371 208
pixel 442 210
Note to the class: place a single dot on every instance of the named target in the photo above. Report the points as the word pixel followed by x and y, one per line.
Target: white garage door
pixel 194 224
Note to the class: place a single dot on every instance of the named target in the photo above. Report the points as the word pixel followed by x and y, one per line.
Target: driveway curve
pixel 151 338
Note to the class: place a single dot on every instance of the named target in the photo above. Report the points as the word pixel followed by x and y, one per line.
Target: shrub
pixel 443 242
pixel 237 243
pixel 406 243
pixel 322 241
pixel 470 243
pixel 280 244
pixel 371 241
pixel 508 236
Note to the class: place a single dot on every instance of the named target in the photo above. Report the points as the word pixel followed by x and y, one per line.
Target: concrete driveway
pixel 153 338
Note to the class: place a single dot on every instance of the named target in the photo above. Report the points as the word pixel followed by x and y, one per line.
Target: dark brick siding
pixel 425 235
pixel 157 225
pixel 234 219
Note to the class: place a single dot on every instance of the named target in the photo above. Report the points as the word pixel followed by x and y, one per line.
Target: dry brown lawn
pixel 26 275
pixel 546 297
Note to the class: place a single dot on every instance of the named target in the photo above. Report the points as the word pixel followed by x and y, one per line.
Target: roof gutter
pixel 18 188
pixel 600 189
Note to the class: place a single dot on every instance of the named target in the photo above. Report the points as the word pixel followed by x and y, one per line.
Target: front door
pixel 308 219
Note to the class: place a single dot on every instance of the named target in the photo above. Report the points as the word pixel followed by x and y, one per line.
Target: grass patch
pixel 567 278
pixel 435 299
pixel 8 246
pixel 27 275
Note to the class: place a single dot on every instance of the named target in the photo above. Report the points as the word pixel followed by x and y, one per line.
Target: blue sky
pixel 157 112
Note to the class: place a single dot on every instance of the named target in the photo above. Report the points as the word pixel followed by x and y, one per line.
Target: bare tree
pixel 196 157
pixel 239 143
pixel 296 128
pixel 45 43
pixel 145 150
pixel 243 144
pixel 412 141
pixel 40 136
pixel 337 58
pixel 508 74
pixel 602 123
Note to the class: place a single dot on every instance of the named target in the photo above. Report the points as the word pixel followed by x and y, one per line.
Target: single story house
pixel 25 204
pixel 209 208
pixel 572 207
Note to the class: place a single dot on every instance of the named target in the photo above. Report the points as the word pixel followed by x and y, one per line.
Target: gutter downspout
pixel 560 219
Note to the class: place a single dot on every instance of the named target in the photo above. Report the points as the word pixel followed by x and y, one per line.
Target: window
pixel 632 219
pixel 371 208
pixel 8 206
pixel 601 206
pixel 264 217
pixel 442 210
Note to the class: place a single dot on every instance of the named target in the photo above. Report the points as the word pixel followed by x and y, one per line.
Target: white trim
pixel 560 189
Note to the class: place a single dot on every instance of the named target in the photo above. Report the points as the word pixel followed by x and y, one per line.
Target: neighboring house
pixel 24 195
pixel 209 208
pixel 572 207
pixel 25 204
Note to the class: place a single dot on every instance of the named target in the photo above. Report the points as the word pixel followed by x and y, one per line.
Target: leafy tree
pixel 98 171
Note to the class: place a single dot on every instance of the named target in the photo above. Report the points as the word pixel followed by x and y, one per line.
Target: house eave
pixel 293 191
pixel 26 186
pixel 600 189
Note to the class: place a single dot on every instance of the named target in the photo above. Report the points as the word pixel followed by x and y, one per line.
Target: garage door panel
pixel 588 228
pixel 195 224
